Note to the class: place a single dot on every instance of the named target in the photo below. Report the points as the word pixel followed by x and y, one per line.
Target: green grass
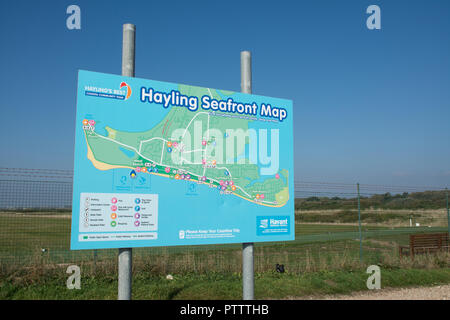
pixel 22 238
pixel 211 286
pixel 351 216
pixel 323 259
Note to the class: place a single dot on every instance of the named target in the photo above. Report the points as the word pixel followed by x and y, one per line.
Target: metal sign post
pixel 448 212
pixel 248 282
pixel 359 226
pixel 126 254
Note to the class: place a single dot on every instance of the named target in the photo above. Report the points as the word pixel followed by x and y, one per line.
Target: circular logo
pixel 113 223
pixel 137 200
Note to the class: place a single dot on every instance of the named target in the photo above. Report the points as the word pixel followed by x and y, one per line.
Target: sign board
pixel 164 164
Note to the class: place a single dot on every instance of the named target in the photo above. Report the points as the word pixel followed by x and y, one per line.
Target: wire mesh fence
pixel 336 226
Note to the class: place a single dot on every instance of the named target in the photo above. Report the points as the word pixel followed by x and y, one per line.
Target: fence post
pixel 359 223
pixel 248 282
pixel 448 212
pixel 95 261
pixel 126 254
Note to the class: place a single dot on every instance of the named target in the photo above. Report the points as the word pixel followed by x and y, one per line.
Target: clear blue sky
pixel 370 105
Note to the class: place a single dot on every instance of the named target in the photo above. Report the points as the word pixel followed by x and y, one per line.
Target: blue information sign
pixel 163 164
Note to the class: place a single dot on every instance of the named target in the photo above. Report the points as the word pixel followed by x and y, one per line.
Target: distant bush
pixel 411 201
pixel 351 216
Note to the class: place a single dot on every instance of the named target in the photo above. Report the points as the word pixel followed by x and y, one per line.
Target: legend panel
pixel 111 212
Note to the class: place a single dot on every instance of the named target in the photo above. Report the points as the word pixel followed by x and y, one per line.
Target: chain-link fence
pixel 369 223
pixel 336 225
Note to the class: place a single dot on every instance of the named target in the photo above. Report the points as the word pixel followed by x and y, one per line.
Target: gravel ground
pixel 418 293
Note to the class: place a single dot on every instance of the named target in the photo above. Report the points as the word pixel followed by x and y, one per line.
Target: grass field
pixel 51 283
pixel 324 258
pixel 27 237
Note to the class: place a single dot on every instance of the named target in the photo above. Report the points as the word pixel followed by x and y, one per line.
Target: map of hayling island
pixel 204 146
